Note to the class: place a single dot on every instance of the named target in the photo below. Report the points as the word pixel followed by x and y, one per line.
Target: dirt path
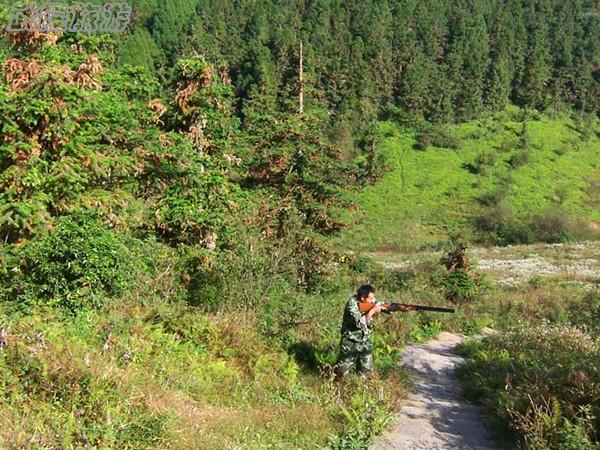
pixel 435 417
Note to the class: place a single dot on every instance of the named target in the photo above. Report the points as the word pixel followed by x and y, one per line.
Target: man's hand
pixel 374 310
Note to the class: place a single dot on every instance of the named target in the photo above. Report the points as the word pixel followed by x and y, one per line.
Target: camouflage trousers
pixel 354 354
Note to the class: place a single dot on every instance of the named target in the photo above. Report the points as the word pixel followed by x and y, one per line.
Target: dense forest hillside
pixel 441 60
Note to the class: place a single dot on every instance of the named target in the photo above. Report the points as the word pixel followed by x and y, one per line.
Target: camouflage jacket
pixel 354 323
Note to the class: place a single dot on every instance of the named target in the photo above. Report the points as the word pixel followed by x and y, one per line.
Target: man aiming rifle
pixel 357 324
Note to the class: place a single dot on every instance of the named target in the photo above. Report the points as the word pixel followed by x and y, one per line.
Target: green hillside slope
pixel 501 171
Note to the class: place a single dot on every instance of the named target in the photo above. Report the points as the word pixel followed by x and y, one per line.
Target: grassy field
pixel 550 166
pixel 137 376
pixel 148 370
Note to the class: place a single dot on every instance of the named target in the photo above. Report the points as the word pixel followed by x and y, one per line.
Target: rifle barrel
pixel 432 308
pixel 423 308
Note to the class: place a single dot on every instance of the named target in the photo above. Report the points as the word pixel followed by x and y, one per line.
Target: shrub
pixel 584 124
pixel 540 383
pixel 520 158
pixel 523 135
pixel 498 225
pixel 551 227
pixel 460 283
pixel 371 165
pixel 76 265
pixel 437 136
pixel 459 286
pixel 515 232
pixel 508 144
pixel 493 220
pixel 234 278
pixel 484 162
pixel 365 270
pixel 363 415
pixel 493 197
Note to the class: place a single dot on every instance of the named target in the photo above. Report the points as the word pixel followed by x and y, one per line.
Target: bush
pixel 76 265
pixel 551 227
pixel 460 285
pixel 491 219
pixel 365 270
pixel 364 415
pixel 584 123
pixel 431 135
pixel 540 383
pixel 493 197
pixel 520 158
pixel 484 162
pixel 499 226
pixel 508 144
pixel 515 232
pixel 459 282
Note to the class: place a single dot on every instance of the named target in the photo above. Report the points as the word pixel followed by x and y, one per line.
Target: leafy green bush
pixel 236 278
pixel 520 158
pixel 432 135
pixel 493 197
pixel 77 265
pixel 459 285
pixel 365 415
pixel 459 282
pixel 484 162
pixel 515 232
pixel 542 381
pixel 498 225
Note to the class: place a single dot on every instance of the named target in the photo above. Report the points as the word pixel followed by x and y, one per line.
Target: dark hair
pixel 364 291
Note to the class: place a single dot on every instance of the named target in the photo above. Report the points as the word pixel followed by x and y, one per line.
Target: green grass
pixel 159 374
pixel 432 193
pixel 154 377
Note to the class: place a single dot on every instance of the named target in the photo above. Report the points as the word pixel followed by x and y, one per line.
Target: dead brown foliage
pixel 31 39
pixel 84 76
pixel 456 258
pixel 197 136
pixel 158 109
pixel 185 92
pixel 184 95
pixel 20 74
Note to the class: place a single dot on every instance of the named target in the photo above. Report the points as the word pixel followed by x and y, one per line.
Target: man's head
pixel 366 293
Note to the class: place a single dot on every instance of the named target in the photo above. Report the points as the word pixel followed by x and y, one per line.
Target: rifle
pixel 391 307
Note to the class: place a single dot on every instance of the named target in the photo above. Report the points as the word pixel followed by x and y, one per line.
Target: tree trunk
pixel 301 80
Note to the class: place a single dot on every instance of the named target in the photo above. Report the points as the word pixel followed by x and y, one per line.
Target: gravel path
pixel 514 265
pixel 435 417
